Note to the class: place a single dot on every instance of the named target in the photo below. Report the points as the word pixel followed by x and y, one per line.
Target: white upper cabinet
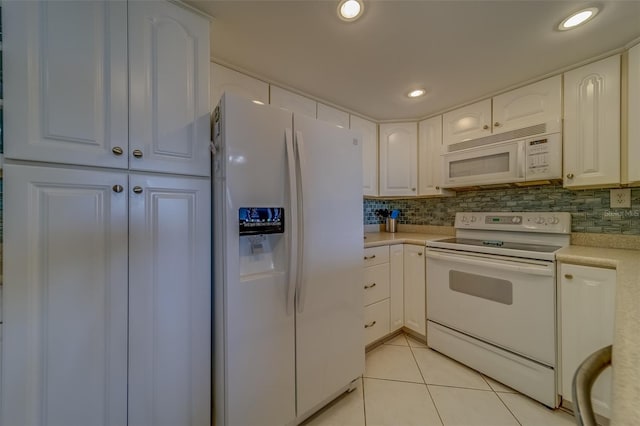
pixel 333 116
pixel 429 160
pixel 224 79
pixel 292 102
pixel 65 80
pixel 469 122
pixel 592 124
pixel 633 115
pixel 369 131
pixel 169 116
pixel 398 159
pixel 538 103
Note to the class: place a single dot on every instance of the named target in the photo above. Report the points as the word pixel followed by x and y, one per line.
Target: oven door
pixel 506 302
pixel 498 163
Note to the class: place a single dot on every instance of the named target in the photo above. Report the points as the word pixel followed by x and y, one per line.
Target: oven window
pixel 477 166
pixel 489 288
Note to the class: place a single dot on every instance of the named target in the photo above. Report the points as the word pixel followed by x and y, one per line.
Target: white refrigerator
pixel 288 250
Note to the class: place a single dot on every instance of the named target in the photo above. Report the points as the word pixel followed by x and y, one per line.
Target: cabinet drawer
pixel 376 321
pixel 376 255
pixel 376 283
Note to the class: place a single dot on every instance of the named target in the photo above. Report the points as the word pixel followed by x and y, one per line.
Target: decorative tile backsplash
pixel 590 211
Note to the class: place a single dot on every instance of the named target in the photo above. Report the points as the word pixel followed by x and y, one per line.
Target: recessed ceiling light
pixel 578 18
pixel 255 101
pixel 350 10
pixel 416 93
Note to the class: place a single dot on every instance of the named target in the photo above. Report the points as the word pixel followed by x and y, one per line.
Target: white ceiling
pixel 458 50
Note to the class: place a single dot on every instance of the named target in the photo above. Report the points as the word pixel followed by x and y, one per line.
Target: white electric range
pixel 491 297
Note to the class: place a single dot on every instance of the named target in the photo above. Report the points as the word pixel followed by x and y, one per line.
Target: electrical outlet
pixel 621 198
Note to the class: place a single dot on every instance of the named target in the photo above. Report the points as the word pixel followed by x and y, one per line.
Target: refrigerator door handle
pixel 301 290
pixel 293 233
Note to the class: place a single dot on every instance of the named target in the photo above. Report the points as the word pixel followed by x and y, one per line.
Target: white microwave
pixel 520 160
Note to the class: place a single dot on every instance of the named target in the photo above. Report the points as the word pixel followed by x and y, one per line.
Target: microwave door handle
pixel 522 159
pixel 467 260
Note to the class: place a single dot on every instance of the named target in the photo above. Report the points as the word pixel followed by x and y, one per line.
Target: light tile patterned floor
pixel 406 384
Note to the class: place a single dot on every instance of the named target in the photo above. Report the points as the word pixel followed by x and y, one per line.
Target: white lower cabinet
pixel 394 290
pixel 376 293
pixel 587 311
pixel 106 297
pixel 415 289
pixel 376 321
pixel 396 287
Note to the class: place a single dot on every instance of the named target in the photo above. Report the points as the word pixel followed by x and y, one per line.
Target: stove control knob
pixel 553 220
pixel 540 220
pixel 516 219
pixel 465 219
pixel 473 219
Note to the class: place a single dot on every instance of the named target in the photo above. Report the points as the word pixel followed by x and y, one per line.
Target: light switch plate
pixel 621 198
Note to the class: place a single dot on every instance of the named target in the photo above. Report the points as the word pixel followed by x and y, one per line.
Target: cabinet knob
pixel 419 253
pixel 371 324
pixel 569 175
pixel 137 190
pixel 117 150
pixel 496 124
pixel 118 188
pixel 568 276
pixel 413 189
pixel 437 188
pixel 367 287
pixel 485 127
pixel 137 153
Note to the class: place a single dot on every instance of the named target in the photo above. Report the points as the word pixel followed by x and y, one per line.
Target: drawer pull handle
pixel 366 287
pixel 568 276
pixel 373 256
pixel 137 153
pixel 117 150
pixel 371 324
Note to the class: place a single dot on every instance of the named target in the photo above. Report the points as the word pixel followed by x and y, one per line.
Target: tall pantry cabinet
pixel 106 304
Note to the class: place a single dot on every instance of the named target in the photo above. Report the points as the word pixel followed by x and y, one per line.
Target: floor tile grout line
pixel 393 380
pixel 508 409
pixel 364 401
pixel 433 401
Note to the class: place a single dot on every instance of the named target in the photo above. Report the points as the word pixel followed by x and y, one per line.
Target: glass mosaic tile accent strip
pixel 589 208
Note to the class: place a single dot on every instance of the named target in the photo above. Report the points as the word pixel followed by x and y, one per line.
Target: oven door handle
pixel 497 264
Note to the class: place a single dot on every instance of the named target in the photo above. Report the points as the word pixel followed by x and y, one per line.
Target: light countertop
pixel 375 239
pixel 626 340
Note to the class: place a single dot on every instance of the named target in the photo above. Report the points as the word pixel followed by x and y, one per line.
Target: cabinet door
pixel 169 122
pixel 224 79
pixel 592 124
pixel 169 301
pixel 587 311
pixel 469 122
pixel 398 159
pixel 415 313
pixel 633 114
pixel 64 356
pixel 429 159
pixel 396 287
pixel 369 131
pixel 292 102
pixel 333 116
pixel 65 77
pixel 535 104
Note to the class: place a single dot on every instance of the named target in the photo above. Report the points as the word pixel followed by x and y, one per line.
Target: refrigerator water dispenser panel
pixel 261 220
